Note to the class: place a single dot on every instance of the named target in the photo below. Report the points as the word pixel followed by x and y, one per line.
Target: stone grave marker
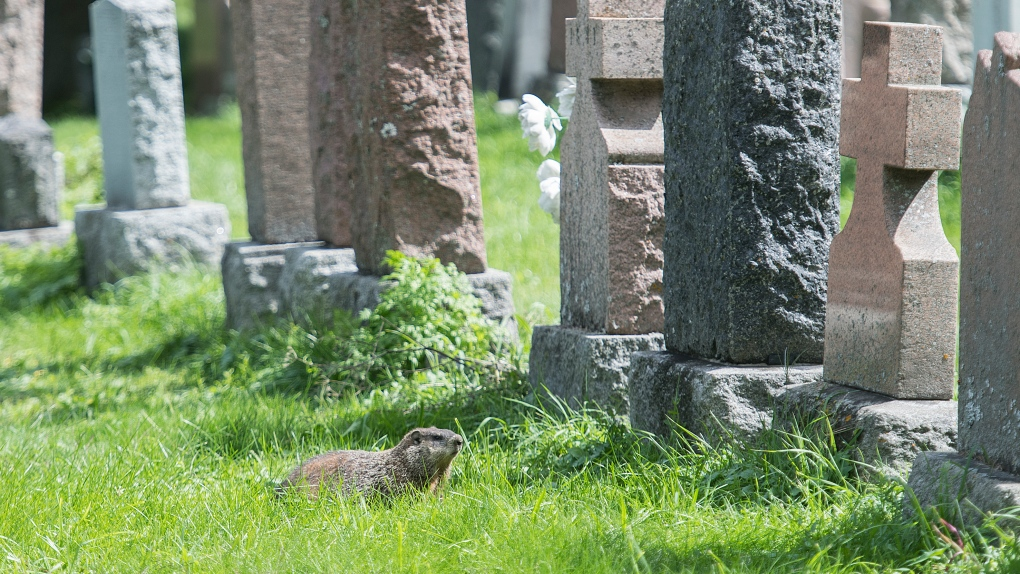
pixel 750 111
pixel 21 47
pixel 986 470
pixel 954 17
pixel 891 316
pixel 149 219
pixel 612 219
pixel 28 174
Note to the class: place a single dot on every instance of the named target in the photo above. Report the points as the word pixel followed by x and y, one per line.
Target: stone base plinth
pixel 955 483
pixel 56 235
pixel 713 400
pixel 889 433
pixel 116 244
pixel 580 366
pixel 305 281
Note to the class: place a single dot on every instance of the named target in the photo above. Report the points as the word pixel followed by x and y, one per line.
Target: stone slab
pixel 29 179
pixel 716 401
pixel 613 218
pixel 139 99
pixel 892 292
pixel 955 483
pixel 115 244
pixel 21 57
pixel 403 73
pixel 580 366
pixel 954 16
pixel 271 55
pixel 889 433
pixel 55 235
pixel 251 282
pixel 751 111
pixel 990 274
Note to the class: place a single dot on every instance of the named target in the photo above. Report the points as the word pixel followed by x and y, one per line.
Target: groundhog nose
pixel 456 440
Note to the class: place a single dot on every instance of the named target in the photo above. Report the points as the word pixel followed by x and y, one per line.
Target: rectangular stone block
pixel 251 282
pixel 21 57
pixel 56 235
pixel 965 490
pixel 891 317
pixel 611 186
pixel 116 244
pixel 580 367
pixel 990 272
pixel 718 402
pixel 137 68
pixel 29 182
pixel 954 17
pixel 752 175
pixel 271 54
pixel 403 77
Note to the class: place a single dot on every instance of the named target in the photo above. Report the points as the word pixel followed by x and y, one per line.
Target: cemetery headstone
pixel 750 111
pixel 991 16
pixel 986 470
pixel 891 317
pixel 149 219
pixel 954 17
pixel 612 218
pixel 30 170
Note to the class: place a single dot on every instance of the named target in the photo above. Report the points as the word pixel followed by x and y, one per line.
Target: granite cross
pixel 892 291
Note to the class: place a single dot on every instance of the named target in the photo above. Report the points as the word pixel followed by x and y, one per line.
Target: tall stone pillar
pixel 612 218
pixel 149 219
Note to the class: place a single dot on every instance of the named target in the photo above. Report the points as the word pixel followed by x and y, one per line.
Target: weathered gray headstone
pixel 21 57
pixel 271 52
pixel 612 217
pixel 148 221
pixel 29 187
pixel 752 176
pixel 989 278
pixel 141 109
pixel 891 319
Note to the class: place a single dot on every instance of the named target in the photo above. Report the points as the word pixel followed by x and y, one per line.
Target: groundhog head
pixel 435 448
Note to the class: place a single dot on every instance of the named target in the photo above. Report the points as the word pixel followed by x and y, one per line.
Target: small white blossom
pixel 388 130
pixel 549 182
pixel 539 123
pixel 566 99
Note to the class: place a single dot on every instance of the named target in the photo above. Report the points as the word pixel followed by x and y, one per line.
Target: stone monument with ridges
pixel 891 317
pixel 149 220
pixel 986 470
pixel 750 110
pixel 612 218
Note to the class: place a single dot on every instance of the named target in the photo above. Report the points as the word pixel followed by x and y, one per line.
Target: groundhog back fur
pixel 421 461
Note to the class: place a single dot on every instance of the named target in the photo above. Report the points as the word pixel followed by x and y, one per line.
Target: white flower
pixel 539 123
pixel 549 182
pixel 566 98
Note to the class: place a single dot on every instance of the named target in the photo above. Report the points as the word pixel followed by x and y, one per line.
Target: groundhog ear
pixel 416 437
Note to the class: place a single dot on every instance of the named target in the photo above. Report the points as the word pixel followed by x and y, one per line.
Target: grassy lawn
pixel 136 434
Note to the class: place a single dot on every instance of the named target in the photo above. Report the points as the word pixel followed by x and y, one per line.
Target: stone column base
pixel 56 235
pixel 890 433
pixel 713 400
pixel 581 366
pixel 116 244
pixel 956 483
pixel 305 281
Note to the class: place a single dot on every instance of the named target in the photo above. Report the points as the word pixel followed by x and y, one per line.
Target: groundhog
pixel 421 461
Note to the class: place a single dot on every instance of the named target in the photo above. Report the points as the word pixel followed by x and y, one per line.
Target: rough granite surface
pixel 29 186
pixel 990 273
pixel 21 57
pixel 55 235
pixel 955 483
pixel 137 68
pixel 891 317
pixel 403 76
pixel 251 282
pixel 612 185
pixel 751 112
pixel 116 244
pixel 271 54
pixel 954 16
pixel 716 401
pixel 580 367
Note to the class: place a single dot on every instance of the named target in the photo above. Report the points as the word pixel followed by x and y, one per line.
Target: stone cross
pixel 140 104
pixel 752 177
pixel 21 57
pixel 989 405
pixel 891 315
pixel 271 51
pixel 407 130
pixel 612 174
